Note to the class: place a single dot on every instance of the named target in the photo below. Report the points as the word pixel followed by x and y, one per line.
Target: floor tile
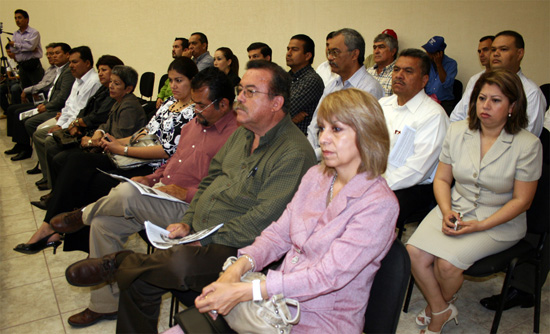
pixel 48 325
pixel 23 270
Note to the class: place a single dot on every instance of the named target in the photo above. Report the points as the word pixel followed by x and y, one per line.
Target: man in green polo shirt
pixel 250 181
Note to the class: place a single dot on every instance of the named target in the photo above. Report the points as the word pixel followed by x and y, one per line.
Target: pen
pixel 252 172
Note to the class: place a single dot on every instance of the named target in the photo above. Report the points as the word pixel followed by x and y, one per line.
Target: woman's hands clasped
pixel 454 225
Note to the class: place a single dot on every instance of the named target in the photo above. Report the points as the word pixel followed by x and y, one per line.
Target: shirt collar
pixel 86 77
pixel 274 133
pixel 300 72
pixel 413 104
pixel 222 123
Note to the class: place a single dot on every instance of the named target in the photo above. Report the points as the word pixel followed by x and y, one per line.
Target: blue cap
pixel 435 44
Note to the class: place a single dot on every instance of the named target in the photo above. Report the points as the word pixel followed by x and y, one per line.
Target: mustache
pixel 398 81
pixel 239 105
pixel 331 63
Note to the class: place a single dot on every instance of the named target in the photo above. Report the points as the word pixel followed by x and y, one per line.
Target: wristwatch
pixel 89 142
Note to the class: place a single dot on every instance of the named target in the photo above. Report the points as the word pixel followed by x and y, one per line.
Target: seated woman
pixel 228 63
pixel 496 165
pixel 335 232
pixel 79 181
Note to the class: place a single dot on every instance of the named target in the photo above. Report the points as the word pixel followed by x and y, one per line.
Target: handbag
pixel 265 316
pixel 64 139
pixel 139 139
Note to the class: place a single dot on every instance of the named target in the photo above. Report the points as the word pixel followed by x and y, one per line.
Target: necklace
pixel 180 108
pixel 332 186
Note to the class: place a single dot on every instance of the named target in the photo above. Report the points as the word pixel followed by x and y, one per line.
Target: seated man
pixel 443 71
pixel 423 122
pixel 123 212
pixel 57 96
pixel 385 50
pixel 307 86
pixel 250 181
pixel 198 45
pixel 86 84
pixel 259 51
pixel 324 70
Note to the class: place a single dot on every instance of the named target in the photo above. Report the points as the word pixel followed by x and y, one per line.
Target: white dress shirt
pixel 83 88
pixel 430 121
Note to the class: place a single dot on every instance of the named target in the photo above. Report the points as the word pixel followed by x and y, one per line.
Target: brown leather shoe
pixel 88 317
pixel 67 222
pixel 90 272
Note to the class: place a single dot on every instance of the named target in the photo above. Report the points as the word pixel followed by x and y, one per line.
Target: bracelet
pixel 251 263
pixel 126 151
pixel 256 290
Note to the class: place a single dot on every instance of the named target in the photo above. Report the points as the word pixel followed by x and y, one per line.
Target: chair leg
pixel 174 309
pixel 505 287
pixel 409 294
pixel 538 288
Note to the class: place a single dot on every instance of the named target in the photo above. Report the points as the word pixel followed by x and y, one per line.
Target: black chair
pixel 146 83
pixel 162 80
pixel 538 223
pixel 383 309
pixel 150 247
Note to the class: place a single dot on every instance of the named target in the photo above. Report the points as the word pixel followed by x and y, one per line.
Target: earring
pixel 509 114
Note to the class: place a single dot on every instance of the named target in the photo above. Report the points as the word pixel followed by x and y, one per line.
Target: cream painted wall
pixel 140 32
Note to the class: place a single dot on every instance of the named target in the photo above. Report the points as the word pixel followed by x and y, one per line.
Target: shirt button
pixel 192 146
pixel 475 175
pixel 204 130
pixel 476 196
pixel 295 259
pixel 475 205
pixel 179 160
pixel 477 185
pixel 168 176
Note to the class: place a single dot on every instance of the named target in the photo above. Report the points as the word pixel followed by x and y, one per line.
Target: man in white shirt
pixel 484 53
pixel 324 70
pixel 346 53
pixel 417 126
pixel 507 51
pixel 86 83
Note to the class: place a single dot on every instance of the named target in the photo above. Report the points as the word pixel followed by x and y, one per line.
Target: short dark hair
pixel 22 12
pixel 280 79
pixel 419 54
pixel 484 38
pixel 229 55
pixel 51 45
pixel 184 66
pixel 264 48
pixel 85 54
pixel 309 45
pixel 202 37
pixel 510 85
pixel 330 35
pixel 519 42
pixel 353 41
pixel 127 74
pixel 109 60
pixel 390 41
pixel 184 42
pixel 218 84
pixel 64 46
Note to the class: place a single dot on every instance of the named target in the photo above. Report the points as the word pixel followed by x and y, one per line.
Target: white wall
pixel 140 32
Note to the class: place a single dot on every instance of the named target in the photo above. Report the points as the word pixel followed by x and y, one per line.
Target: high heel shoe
pixel 453 316
pixel 38 246
pixel 423 320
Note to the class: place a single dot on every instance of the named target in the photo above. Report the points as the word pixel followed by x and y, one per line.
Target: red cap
pixel 390 32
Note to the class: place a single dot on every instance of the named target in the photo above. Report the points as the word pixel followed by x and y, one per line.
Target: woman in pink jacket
pixel 338 227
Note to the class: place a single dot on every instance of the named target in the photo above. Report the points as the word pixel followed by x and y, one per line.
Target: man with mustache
pixel 507 51
pixel 249 183
pixel 385 48
pixel 411 113
pixel 346 53
pixel 307 86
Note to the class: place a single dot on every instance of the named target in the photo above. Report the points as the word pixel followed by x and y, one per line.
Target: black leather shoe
pixel 514 298
pixel 22 155
pixel 41 181
pixel 42 204
pixel 14 150
pixel 43 186
pixel 46 197
pixel 35 170
pixel 90 272
pixel 38 246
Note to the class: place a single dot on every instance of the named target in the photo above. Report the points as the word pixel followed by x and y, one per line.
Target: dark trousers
pixel 143 279
pixel 30 72
pixel 418 199
pixel 21 131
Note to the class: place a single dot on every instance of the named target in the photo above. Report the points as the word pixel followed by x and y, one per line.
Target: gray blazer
pixel 61 90
pixel 483 186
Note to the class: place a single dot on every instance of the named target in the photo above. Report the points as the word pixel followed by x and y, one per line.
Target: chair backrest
pixel 546 92
pixel 388 291
pixel 146 83
pixel 457 89
pixel 163 79
pixel 538 215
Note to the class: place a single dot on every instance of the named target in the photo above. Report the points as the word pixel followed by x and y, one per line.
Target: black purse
pixel 65 140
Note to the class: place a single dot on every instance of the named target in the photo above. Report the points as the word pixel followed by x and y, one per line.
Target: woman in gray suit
pixel 496 165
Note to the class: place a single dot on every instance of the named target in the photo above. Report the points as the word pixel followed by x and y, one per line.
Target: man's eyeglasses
pixel 335 53
pixel 248 92
pixel 203 109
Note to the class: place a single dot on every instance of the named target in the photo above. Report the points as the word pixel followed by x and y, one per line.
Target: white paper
pixel 159 236
pixel 28 113
pixel 403 148
pixel 145 190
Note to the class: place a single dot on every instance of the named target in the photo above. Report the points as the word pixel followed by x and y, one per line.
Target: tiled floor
pixel 35 297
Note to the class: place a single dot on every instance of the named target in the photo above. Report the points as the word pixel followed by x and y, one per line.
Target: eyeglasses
pixel 200 111
pixel 248 92
pixel 335 53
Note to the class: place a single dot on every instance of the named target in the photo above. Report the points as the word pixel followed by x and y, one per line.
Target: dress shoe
pixel 40 204
pixel 46 197
pixel 41 181
pixel 90 272
pixel 43 186
pixel 88 317
pixel 14 150
pixel 35 170
pixel 38 246
pixel 514 298
pixel 67 222
pixel 22 155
